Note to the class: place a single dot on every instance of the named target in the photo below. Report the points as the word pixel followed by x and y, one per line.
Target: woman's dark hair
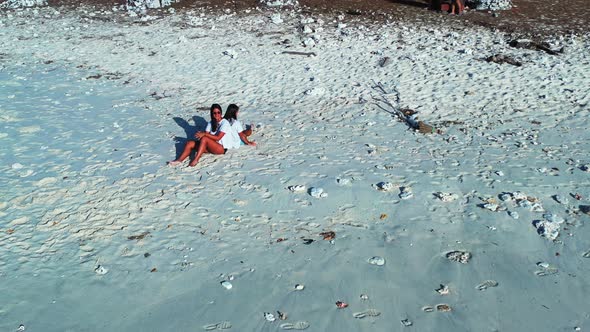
pixel 213 121
pixel 231 113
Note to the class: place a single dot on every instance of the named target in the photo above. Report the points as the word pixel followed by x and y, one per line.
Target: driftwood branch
pixel 403 114
pixel 532 45
pixel 299 53
pixel 500 59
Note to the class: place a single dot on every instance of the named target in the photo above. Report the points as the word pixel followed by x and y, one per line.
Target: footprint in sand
pixel 217 326
pixel 427 308
pixel 545 269
pixel 487 284
pixel 46 181
pixel 302 325
pixel 368 312
pixel 29 129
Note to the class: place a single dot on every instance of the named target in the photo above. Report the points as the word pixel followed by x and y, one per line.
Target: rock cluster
pixel 490 4
pixel 279 3
pixel 23 3
pixel 148 4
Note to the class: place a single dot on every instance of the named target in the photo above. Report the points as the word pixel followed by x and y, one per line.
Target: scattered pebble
pixel 365 297
pixel 406 193
pixel 226 284
pixel 101 270
pixel 446 197
pixel 343 182
pixel 443 289
pixel 318 192
pixel 407 322
pixel 384 186
pixel 462 257
pixel 443 307
pixel 299 287
pixel 341 305
pixel 545 269
pixel 269 317
pixel 547 229
pixel 376 260
pixel 297 188
pixel 281 315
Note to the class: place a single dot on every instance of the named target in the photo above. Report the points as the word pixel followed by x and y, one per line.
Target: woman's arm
pixel 217 137
pixel 244 139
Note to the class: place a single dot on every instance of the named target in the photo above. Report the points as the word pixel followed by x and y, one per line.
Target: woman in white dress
pixel 238 132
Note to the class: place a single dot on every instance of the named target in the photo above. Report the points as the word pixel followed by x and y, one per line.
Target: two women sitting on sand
pixel 221 134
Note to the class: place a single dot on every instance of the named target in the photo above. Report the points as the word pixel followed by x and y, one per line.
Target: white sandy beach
pixel 98 234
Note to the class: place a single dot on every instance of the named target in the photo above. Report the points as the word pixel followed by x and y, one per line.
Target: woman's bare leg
pixel 190 145
pixel 207 146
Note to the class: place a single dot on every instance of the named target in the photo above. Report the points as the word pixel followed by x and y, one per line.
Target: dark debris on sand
pixel 526 18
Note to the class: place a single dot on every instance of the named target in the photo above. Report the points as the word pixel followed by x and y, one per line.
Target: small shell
pixel 406 193
pixel 318 192
pixel 101 270
pixel 443 289
pixel 341 305
pixel 226 284
pixel 281 315
pixel 407 322
pixel 446 197
pixel 443 307
pixel 376 260
pixel 297 188
pixel 269 317
pixel 299 287
pixel 491 206
pixel 384 186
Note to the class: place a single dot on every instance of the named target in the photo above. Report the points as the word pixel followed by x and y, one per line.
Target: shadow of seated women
pixel 190 130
